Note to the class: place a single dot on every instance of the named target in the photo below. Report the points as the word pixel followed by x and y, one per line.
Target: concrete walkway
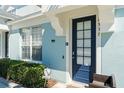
pixel 72 84
pixel 7 84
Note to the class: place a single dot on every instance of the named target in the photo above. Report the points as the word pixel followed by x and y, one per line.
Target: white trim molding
pixel 55 24
pixel 106 17
pixel 4 27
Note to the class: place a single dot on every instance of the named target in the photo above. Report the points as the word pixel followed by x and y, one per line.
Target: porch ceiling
pixel 51 15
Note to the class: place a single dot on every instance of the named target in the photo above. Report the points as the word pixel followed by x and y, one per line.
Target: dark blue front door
pixel 84 49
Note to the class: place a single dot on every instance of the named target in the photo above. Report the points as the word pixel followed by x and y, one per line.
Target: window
pixel 36 43
pixel 32 43
pixel 25 43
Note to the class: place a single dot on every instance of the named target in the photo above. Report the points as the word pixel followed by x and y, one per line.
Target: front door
pixel 84 48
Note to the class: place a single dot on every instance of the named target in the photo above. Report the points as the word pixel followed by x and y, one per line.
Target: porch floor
pixel 72 84
pixel 52 84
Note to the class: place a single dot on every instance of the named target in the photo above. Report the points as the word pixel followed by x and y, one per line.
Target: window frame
pixel 32 42
pixel 30 45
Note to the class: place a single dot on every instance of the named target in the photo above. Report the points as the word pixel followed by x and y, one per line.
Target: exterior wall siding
pixel 14 44
pixel 56 55
pixel 66 23
pixel 54 52
pixel 2 44
pixel 112 50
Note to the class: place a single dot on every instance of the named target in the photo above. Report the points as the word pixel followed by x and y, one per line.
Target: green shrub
pixel 27 74
pixel 16 72
pixel 33 78
pixel 4 65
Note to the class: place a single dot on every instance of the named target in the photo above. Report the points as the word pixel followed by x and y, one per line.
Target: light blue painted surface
pixel 105 38
pixel 53 52
pixel 119 19
pixel 119 12
pixel 113 52
pixel 3 85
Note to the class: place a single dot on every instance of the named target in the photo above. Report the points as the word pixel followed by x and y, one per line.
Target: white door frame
pixel 69 49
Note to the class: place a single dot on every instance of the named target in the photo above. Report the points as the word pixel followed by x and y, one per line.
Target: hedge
pixel 4 65
pixel 27 74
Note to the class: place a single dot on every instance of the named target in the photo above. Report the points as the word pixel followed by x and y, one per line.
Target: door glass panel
pixel 87 43
pixel 87 34
pixel 87 25
pixel 87 51
pixel 87 61
pixel 80 51
pixel 79 34
pixel 84 43
pixel 80 26
pixel 79 60
pixel 79 43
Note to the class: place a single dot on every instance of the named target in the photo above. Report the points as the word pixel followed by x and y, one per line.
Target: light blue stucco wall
pixel 53 52
pixel 119 12
pixel 113 50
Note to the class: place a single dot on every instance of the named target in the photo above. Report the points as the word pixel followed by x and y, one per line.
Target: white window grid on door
pixel 84 43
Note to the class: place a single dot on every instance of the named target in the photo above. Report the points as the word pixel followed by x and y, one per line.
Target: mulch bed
pixel 51 83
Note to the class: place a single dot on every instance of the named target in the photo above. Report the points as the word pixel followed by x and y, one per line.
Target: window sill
pixel 32 61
